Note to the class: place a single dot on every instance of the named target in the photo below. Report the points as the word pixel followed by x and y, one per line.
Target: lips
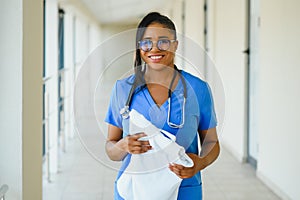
pixel 156 58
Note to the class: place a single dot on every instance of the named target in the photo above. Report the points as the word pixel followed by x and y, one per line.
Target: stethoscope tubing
pixel 125 110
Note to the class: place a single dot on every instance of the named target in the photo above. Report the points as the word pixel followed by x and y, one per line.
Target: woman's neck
pixel 162 76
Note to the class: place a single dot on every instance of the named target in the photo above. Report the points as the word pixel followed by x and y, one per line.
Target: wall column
pixel 21 54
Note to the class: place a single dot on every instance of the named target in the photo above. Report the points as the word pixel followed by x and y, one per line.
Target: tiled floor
pixel 81 177
pixel 228 179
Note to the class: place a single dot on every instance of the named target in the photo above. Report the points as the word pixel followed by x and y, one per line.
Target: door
pixel 253 118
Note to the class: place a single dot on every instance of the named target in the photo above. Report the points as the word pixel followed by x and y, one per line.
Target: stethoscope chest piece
pixel 125 112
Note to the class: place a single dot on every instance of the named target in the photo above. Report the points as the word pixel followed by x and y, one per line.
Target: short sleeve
pixel 113 116
pixel 207 113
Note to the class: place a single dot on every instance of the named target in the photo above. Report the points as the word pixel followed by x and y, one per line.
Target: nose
pixel 154 47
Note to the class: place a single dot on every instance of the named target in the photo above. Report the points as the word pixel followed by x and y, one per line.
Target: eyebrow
pixel 160 37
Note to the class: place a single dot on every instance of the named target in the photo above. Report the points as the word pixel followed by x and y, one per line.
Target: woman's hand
pixel 133 145
pixel 187 172
pixel 118 147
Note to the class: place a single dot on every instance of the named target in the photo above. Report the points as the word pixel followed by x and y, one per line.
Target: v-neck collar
pixel 150 99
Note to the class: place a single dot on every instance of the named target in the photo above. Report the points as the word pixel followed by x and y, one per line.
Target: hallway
pixel 247 51
pixel 82 177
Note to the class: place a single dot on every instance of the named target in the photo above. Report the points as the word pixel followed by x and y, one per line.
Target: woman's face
pixel 155 58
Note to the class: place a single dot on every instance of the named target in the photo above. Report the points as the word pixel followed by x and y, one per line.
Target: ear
pixel 176 44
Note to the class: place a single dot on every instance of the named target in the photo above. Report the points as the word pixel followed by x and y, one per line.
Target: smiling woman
pixel 165 96
pixel 166 45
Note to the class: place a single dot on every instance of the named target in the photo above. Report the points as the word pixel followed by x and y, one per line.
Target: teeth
pixel 155 57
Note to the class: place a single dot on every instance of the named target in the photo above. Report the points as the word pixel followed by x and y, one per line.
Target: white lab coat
pixel 147 176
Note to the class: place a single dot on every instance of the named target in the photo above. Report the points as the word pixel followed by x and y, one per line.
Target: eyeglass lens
pixel 147 45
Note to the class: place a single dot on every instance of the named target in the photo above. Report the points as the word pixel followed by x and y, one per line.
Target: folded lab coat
pixel 147 176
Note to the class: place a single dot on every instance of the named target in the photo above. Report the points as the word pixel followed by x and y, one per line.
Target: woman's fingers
pixel 136 146
pixel 181 171
pixel 139 149
pixel 138 136
pixel 176 169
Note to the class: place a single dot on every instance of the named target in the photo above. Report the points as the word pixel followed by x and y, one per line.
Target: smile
pixel 155 58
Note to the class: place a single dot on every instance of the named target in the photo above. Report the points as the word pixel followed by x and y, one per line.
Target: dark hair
pixel 152 17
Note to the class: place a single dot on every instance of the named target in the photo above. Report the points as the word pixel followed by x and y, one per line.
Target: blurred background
pixel 50 142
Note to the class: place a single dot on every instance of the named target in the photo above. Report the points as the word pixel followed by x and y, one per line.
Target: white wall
pixel 81 32
pixel 194 20
pixel 278 165
pixel 193 41
pixel 81 40
pixel 51 72
pixel 226 41
pixel 107 31
pixel 87 31
pixel 21 99
pixel 69 73
pixel 229 42
pixel 278 159
pixel 192 24
pixel 95 36
pixel 11 97
pixel 175 13
pixel 82 36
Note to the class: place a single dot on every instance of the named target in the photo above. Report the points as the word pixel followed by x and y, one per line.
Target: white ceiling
pixel 124 11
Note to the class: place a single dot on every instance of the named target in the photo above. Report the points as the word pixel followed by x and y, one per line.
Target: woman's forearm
pixel 115 150
pixel 209 153
pixel 210 148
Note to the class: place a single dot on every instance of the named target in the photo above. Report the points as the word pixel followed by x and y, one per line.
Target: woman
pixel 171 99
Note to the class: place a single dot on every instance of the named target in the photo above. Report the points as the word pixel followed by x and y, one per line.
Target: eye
pixel 145 45
pixel 163 44
pixel 145 42
pixel 164 41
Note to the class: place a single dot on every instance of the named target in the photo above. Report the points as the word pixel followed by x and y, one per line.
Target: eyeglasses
pixel 161 44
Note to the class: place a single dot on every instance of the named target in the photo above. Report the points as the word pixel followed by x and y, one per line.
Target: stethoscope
pixel 125 110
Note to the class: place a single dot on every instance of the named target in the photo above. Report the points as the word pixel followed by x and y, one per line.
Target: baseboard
pixel 272 186
pixel 240 158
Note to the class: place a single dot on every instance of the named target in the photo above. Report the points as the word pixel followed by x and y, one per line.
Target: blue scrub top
pixel 199 115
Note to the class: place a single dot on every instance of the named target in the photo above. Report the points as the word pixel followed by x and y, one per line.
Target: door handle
pixel 247 51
